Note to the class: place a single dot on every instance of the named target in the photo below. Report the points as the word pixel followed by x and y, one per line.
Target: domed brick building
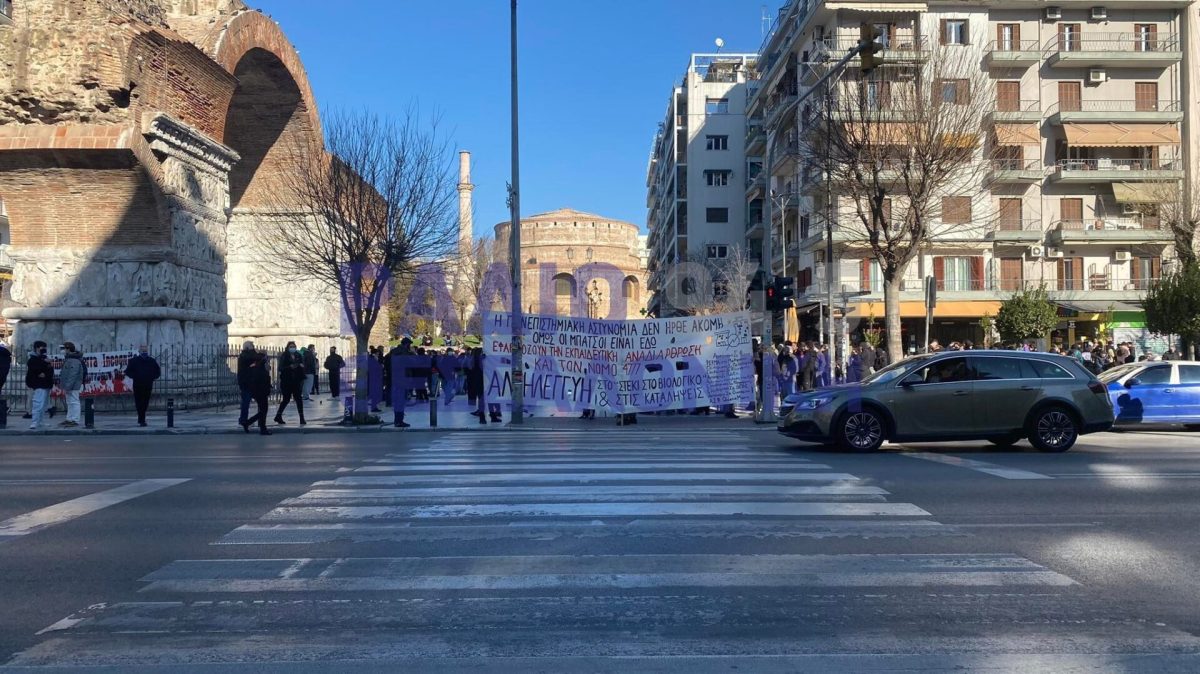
pixel 580 264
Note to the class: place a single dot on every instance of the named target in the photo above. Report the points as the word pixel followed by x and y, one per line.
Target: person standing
pixel 447 367
pixel 70 379
pixel 785 376
pixel 39 377
pixel 291 381
pixel 854 369
pixel 245 361
pixel 866 357
pixel 399 372
pixel 309 355
pixel 823 366
pixel 334 364
pixel 258 381
pixel 5 365
pixel 808 373
pixel 881 357
pixel 143 371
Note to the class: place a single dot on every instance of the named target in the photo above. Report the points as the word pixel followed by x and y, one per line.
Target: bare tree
pixel 470 281
pixel 730 278
pixel 903 151
pixel 1174 206
pixel 371 204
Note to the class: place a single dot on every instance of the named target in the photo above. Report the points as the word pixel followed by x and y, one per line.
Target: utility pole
pixel 767 385
pixel 517 372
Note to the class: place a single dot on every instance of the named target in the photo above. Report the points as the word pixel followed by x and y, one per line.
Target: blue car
pixel 1155 392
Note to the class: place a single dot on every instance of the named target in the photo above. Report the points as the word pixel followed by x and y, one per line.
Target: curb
pixel 382 428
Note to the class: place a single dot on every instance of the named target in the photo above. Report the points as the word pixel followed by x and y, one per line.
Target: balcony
pixel 786 153
pixel 1114 50
pixel 1016 171
pixel 1017 112
pixel 1012 53
pixel 1071 171
pixel 756 184
pixel 1018 231
pixel 779 105
pixel 754 225
pixel 755 137
pixel 1108 230
pixel 1115 111
pixel 903 49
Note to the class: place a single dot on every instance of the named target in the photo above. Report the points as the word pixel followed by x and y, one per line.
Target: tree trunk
pixel 891 314
pixel 362 378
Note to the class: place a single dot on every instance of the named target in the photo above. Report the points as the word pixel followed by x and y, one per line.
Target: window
pixel 1070 273
pixel 1008 96
pixel 629 289
pixel 1144 270
pixel 877 93
pixel 716 178
pixel 955 92
pixel 716 106
pixel 1189 374
pixel 1069 98
pixel 1012 272
pixel 1145 96
pixel 716 252
pixel 564 285
pixel 870 276
pixel 941 372
pixel 1068 37
pixel 887 31
pixel 954 31
pixel 1145 37
pixel 1048 370
pixel 956 273
pixel 1008 36
pixel 1157 375
pixel 989 369
pixel 716 142
pixel 716 215
pixel 956 210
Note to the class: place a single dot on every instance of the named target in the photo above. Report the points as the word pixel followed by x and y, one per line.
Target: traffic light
pixel 784 292
pixel 772 292
pixel 870 45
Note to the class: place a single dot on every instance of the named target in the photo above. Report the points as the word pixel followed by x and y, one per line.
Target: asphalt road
pixel 647 550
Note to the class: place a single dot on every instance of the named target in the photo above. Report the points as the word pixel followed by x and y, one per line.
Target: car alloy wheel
pixel 862 431
pixel 1055 431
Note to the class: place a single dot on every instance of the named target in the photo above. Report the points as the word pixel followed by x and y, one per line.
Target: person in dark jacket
pixel 143 371
pixel 866 357
pixel 39 377
pixel 71 377
pixel 475 383
pixel 310 370
pixel 258 381
pixel 244 362
pixel 5 364
pixel 398 374
pixel 334 364
pixel 291 382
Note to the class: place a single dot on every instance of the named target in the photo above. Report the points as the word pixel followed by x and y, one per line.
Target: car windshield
pixel 894 370
pixel 1109 376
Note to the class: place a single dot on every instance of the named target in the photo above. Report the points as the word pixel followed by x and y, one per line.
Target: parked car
pixel 1000 396
pixel 1155 392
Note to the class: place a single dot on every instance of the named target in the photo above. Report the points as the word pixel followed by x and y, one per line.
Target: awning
pixel 961 140
pixel 879 6
pixel 1017 134
pixel 1119 135
pixel 1136 194
pixel 881 133
pixel 1097 306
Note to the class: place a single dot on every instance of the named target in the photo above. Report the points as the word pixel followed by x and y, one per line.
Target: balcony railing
pixel 900 46
pixel 1115 106
pixel 1168 164
pixel 1115 280
pixel 1012 106
pixel 1008 46
pixel 1023 225
pixel 1016 164
pixel 1114 42
pixel 1103 224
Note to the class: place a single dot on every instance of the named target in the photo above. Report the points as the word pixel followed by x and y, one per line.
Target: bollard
pixel 432 412
pixel 89 413
pixel 348 411
pixel 3 413
pixel 170 413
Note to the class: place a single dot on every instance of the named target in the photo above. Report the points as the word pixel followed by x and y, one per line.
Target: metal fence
pixel 195 377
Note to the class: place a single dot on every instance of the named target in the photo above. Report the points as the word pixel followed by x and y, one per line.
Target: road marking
pixel 848 489
pixel 575 572
pixel 81 480
pixel 642 509
pixel 980 466
pixel 1124 476
pixel 524 465
pixel 66 511
pixel 580 478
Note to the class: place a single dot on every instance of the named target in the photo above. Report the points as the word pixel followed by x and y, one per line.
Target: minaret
pixel 465 236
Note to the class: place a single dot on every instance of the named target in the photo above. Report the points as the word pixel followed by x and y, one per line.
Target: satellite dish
pixel 720 43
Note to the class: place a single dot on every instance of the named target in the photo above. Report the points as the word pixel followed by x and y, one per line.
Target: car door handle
pixel 962 393
pixel 1029 388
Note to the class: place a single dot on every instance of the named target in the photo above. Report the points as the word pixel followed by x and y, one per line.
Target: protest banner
pixel 623 366
pixel 105 373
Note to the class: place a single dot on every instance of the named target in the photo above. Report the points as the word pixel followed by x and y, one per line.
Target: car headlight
pixel 813 403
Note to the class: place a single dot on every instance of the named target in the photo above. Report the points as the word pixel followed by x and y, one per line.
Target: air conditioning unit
pixel 1097 76
pixel 1036 251
pixel 1121 256
pixel 1053 13
pixel 1099 13
pixel 1053 252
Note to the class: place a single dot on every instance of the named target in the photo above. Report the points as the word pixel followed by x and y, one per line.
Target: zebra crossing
pixel 549 543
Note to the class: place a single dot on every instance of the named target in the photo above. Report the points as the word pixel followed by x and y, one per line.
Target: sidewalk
pixel 325 416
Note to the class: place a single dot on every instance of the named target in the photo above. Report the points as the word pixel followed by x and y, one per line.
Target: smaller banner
pixel 622 366
pixel 105 373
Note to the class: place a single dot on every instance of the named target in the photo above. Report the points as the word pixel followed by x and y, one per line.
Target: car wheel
pixel 1004 442
pixel 860 431
pixel 1053 430
pixel 1191 427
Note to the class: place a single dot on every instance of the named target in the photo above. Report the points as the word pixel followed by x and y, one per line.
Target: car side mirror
pixel 907 383
pixel 1130 383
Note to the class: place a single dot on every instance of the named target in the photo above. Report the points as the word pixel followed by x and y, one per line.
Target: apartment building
pixel 695 199
pixel 1087 133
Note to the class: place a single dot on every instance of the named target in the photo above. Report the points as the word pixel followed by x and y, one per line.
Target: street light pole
pixel 517 373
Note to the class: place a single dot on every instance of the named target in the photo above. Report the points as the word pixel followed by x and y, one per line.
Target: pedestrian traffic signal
pixel 870 45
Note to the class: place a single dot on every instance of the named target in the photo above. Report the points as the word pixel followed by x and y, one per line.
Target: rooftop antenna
pixel 766 22
pixel 720 43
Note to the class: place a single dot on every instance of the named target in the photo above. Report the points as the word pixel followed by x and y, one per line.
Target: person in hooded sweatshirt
pixel 39 377
pixel 70 379
pixel 143 371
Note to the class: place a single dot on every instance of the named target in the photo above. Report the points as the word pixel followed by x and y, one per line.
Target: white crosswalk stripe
pixel 541 538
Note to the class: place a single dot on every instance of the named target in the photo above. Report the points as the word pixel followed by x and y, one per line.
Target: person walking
pixel 39 377
pixel 5 365
pixel 143 371
pixel 808 369
pixel 70 380
pixel 291 381
pixel 854 369
pixel 245 361
pixel 334 364
pixel 258 382
pixel 447 367
pixel 310 370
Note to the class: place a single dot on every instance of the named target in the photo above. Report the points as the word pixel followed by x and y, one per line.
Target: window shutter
pixel 1062 273
pixel 962 92
pixel 1016 35
pixel 1153 46
pixel 976 273
pixel 1077 273
pixel 864 274
pixel 943 37
pixel 939 272
pixel 1062 37
pixel 1135 271
pixel 1155 268
pixel 966 32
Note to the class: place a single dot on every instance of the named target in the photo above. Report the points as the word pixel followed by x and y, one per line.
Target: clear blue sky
pixel 595 77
